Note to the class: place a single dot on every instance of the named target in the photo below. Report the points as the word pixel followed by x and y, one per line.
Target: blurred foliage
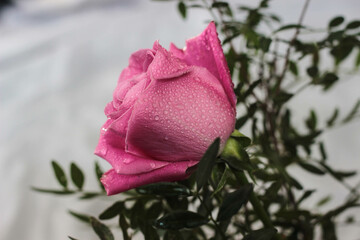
pixel 250 182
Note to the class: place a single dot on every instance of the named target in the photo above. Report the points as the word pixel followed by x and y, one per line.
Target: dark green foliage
pixel 206 163
pixel 164 189
pixel 77 176
pixel 261 234
pixel 182 9
pixel 233 202
pixel 101 230
pixel 59 174
pixel 181 219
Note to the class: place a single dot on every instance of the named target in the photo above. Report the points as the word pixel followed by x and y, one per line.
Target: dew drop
pixel 156 117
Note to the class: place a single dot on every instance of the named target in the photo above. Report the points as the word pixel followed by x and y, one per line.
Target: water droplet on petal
pixel 156 117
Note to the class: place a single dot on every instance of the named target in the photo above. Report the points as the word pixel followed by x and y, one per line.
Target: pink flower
pixel 167 108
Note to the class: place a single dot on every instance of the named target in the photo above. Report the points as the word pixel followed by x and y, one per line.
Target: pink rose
pixel 167 108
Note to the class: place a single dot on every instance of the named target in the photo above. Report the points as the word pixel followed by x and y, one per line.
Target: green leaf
pixel 58 192
pixel 101 230
pixel 311 122
pixel 220 5
pixel 90 195
pixel 323 201
pixel 166 189
pixel 112 211
pixel 322 151
pixel 77 176
pixel 328 80
pixel 311 168
pixel 357 61
pixel 352 113
pixel 265 43
pixel 222 182
pixel 241 138
pixel 353 25
pixel 124 227
pixel 282 97
pixel 99 172
pixel 59 173
pixel 261 234
pixel 289 26
pixel 182 9
pixel 82 217
pixel 233 202
pixel 312 71
pixel 206 164
pixel 71 238
pixel 333 118
pixel 293 68
pixel 181 219
pixel 336 21
pixel 305 196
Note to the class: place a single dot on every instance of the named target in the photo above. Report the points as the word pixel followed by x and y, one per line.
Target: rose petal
pixel 178 119
pixel 165 66
pixel 205 50
pixel 115 183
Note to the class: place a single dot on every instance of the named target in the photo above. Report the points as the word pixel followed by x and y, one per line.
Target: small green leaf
pixel 101 230
pixel 261 234
pixel 311 121
pixel 166 189
pixel 71 238
pixel 181 219
pixel 312 71
pixel 328 80
pixel 222 182
pixel 58 192
pixel 233 202
pixel 353 112
pixel 241 138
pixel 333 118
pixel 311 168
pixel 289 26
pixel 59 173
pixel 124 225
pixel 336 21
pixel 265 43
pixel 206 164
pixel 293 68
pixel 220 5
pixel 82 217
pixel 323 201
pixel 305 196
pixel 182 9
pixel 322 151
pixel 99 172
pixel 353 25
pixel 282 97
pixel 77 176
pixel 112 211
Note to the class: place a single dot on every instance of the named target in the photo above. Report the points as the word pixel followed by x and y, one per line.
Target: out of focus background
pixel 59 63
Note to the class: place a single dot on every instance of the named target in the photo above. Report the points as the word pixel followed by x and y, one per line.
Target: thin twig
pixel 287 56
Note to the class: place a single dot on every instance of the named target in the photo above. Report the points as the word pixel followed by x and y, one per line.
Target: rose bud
pixel 167 108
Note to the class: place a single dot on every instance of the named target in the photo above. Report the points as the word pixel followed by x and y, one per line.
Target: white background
pixel 59 63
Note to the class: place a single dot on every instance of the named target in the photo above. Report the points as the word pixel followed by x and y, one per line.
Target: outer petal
pixel 177 119
pixel 116 183
pixel 111 147
pixel 205 50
